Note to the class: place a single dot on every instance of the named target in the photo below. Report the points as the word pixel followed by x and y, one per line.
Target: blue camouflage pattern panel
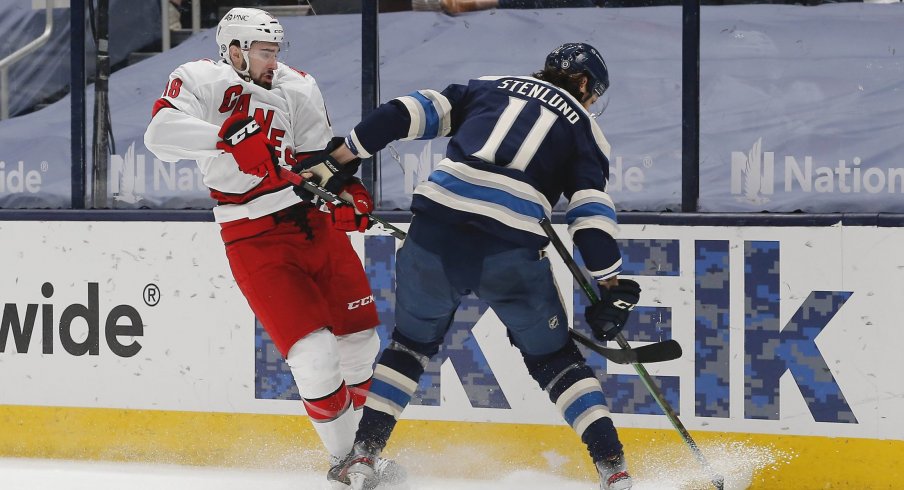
pixel 771 350
pixel 272 378
pixel 650 257
pixel 643 258
pixel 627 393
pixel 711 328
pixel 379 265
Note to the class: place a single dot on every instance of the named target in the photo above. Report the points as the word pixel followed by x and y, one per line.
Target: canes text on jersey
pixel 235 101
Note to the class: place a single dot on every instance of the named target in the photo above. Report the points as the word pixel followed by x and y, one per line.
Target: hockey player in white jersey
pixel 243 117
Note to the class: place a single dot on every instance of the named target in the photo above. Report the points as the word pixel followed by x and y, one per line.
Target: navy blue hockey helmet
pixel 581 58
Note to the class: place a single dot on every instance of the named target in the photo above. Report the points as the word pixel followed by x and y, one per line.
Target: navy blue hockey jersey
pixel 517 144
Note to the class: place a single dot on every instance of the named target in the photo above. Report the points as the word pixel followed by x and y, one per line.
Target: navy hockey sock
pixel 577 393
pixel 394 382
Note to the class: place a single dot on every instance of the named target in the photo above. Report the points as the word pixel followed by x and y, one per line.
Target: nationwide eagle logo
pixel 752 175
pixel 127 181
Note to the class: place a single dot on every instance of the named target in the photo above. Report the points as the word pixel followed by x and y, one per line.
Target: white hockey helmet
pixel 246 25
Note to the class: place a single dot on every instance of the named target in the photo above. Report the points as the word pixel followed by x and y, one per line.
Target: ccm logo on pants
pixel 361 302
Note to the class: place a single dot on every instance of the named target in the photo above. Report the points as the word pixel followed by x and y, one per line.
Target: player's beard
pixel 261 82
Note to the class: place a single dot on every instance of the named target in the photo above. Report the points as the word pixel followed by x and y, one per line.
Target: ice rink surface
pixel 737 463
pixel 72 475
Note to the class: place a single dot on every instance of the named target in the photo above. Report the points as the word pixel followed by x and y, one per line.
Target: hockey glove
pixel 608 316
pixel 330 174
pixel 243 138
pixel 353 217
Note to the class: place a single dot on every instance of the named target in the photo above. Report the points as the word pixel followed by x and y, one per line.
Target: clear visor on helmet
pixel 265 52
pixel 601 92
pixel 599 105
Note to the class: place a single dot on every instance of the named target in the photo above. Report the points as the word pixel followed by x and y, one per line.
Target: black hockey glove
pixel 608 317
pixel 328 173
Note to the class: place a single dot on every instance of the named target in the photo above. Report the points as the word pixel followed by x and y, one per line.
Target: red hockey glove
pixel 242 137
pixel 353 217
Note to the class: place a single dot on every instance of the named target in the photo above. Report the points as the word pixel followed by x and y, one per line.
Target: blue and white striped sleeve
pixel 593 226
pixel 591 215
pixel 430 113
pixel 425 114
pixel 590 208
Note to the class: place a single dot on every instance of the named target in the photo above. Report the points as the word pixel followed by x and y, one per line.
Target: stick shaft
pixel 331 197
pixel 620 339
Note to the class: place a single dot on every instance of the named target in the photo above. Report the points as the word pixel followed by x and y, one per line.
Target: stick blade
pixel 667 350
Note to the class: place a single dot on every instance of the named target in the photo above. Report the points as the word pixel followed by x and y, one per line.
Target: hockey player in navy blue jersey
pixel 517 144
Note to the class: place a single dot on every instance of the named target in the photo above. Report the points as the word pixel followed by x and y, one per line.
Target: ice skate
pixel 357 468
pixel 332 475
pixel 389 474
pixel 614 474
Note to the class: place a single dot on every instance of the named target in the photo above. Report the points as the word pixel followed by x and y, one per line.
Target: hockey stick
pixel 334 199
pixel 666 350
pixel 717 480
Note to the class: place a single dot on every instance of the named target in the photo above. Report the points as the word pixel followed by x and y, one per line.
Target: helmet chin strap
pixel 246 73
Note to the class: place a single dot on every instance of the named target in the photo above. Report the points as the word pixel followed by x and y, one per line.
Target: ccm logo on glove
pixel 623 305
pixel 249 129
pixel 608 316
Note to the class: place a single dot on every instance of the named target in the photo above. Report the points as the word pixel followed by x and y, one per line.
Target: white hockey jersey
pixel 201 95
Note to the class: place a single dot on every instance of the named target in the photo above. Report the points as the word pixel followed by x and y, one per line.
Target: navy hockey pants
pixel 440 263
